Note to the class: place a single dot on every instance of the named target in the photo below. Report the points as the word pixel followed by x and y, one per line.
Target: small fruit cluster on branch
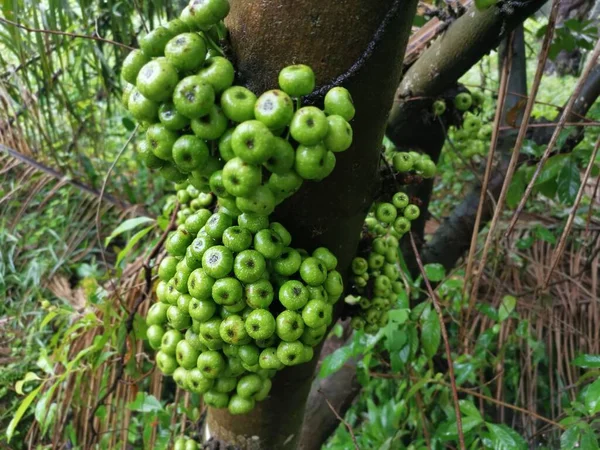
pixel 472 137
pixel 251 151
pixel 235 302
pixel 376 282
pixel 183 443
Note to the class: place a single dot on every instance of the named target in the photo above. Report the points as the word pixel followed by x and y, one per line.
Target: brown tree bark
pixel 360 43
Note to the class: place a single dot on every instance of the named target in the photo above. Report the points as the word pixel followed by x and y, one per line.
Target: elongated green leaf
pixel 132 242
pixel 10 430
pixel 587 361
pixel 592 398
pixel 569 181
pixel 128 225
pixel 431 334
pixel 334 362
pixel 516 189
pixel 506 307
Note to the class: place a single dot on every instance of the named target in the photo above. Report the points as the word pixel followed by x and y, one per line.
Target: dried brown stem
pixel 341 419
pixel 63 33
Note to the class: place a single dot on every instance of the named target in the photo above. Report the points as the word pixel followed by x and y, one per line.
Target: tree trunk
pixel 363 42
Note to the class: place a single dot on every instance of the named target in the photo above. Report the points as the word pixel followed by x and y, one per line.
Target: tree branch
pixel 451 239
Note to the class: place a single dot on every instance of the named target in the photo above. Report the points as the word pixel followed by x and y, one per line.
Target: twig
pixel 504 404
pixel 63 33
pixel 565 234
pixel 561 123
pixel 438 310
pixel 62 178
pixel 514 160
pixel 488 173
pixel 131 318
pixel 104 182
pixel 341 419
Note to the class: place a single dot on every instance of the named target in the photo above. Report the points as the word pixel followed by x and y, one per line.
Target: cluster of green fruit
pixel 376 281
pixel 251 151
pixel 190 200
pixel 473 136
pixel 235 303
pixel 183 443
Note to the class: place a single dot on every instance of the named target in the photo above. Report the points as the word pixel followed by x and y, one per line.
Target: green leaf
pixel 29 376
pixel 334 362
pixel 589 440
pixel 435 272
pixel 430 334
pixel 469 409
pixel 448 431
pixel 516 189
pixel 587 361
pixel 505 438
pixel 132 242
pixel 551 169
pixel 10 430
pixel 544 234
pixel 568 440
pixel 128 225
pixel 592 398
pixel 144 402
pixel 568 181
pixel 506 307
pixel 128 123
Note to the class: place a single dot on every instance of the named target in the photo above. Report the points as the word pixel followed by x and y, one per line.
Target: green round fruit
pixel 135 60
pixel 189 153
pixel 313 271
pixel 218 72
pixel 259 294
pixel 153 44
pixel 142 108
pixel 157 80
pixel 241 178
pixel 193 97
pixel 282 159
pixel 297 80
pixel 316 313
pixel 260 324
pixel 275 109
pixel 252 141
pixel 339 136
pixel 238 103
pixel 309 125
pixel 249 266
pixel 211 364
pixel 290 353
pixel 210 126
pixel 338 101
pixel 289 326
pixel 186 51
pixel 240 405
